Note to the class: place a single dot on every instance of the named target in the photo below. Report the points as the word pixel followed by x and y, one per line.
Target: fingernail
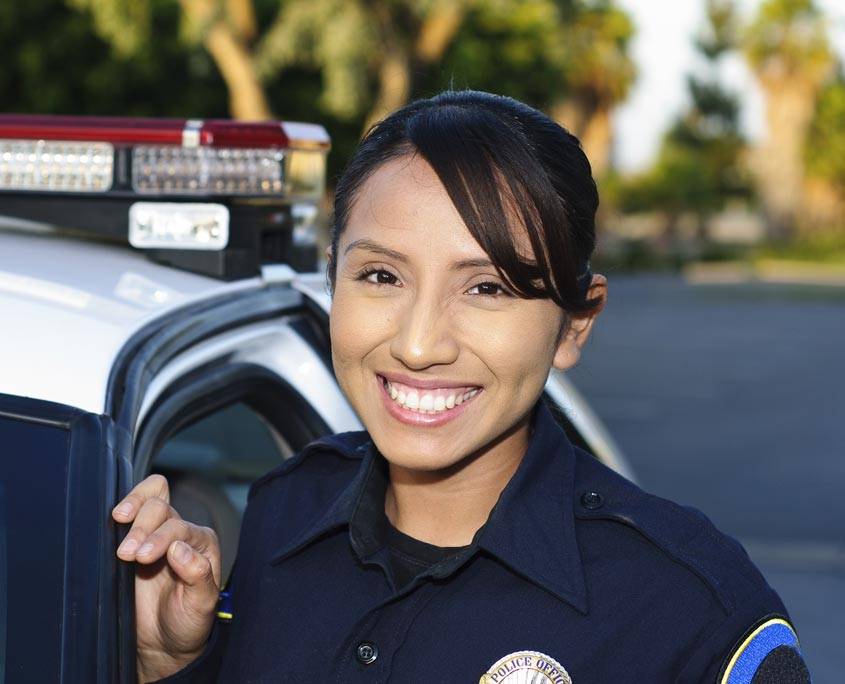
pixel 145 549
pixel 128 546
pixel 125 509
pixel 182 552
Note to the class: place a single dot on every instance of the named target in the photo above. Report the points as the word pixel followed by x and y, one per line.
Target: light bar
pixel 216 197
pixel 59 165
pixel 168 157
pixel 178 225
pixel 206 170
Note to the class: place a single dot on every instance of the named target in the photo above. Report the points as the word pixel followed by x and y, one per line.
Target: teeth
pixel 427 402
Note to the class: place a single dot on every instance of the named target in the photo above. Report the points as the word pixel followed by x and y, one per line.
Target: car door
pixel 217 394
pixel 60 473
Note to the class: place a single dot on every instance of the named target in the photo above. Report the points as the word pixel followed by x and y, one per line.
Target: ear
pixel 328 252
pixel 569 347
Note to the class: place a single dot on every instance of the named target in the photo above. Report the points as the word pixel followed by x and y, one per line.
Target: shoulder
pixel 673 533
pixel 293 495
pixel 329 458
pixel 740 632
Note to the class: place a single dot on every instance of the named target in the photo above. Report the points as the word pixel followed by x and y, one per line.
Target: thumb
pixel 196 573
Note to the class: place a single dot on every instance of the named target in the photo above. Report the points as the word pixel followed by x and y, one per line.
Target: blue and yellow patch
pixel 224 606
pixel 754 649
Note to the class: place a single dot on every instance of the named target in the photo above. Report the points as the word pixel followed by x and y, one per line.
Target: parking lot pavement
pixel 731 398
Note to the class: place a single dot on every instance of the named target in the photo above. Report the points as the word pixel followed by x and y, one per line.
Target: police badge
pixel 526 667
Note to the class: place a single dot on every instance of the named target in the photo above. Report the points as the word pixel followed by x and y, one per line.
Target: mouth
pixel 425 406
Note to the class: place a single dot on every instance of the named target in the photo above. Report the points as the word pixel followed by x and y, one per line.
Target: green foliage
pixel 541 51
pixel 55 63
pixel 698 166
pixel 825 149
pixel 721 33
pixel 789 36
pixel 124 23
pixel 595 51
pixel 505 48
pixel 336 38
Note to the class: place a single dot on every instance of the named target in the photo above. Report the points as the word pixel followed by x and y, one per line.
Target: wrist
pixel 153 665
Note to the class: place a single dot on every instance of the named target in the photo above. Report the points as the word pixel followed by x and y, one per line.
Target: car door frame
pixel 175 369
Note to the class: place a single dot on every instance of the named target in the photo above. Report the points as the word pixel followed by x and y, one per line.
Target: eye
pixel 377 276
pixel 489 289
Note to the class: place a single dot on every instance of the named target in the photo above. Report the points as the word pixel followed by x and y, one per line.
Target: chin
pixel 416 454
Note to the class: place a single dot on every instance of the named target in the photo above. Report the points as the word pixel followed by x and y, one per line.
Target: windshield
pixel 33 477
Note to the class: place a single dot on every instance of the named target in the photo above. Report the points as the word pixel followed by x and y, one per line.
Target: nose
pixel 424 336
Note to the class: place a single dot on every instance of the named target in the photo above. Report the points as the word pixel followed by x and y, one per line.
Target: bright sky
pixel 664 54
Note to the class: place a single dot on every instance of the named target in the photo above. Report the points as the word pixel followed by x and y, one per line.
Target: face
pixel 437 358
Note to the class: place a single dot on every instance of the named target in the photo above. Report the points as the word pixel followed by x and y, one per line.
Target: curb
pixel 777 271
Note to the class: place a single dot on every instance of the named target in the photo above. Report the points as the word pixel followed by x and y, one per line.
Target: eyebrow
pixel 372 246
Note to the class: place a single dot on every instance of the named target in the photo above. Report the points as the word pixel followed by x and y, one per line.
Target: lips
pixel 425 406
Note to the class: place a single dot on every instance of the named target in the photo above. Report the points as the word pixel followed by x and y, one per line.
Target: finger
pixel 152 515
pixel 201 539
pixel 153 487
pixel 196 572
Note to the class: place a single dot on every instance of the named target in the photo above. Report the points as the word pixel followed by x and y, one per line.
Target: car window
pixel 33 492
pixel 210 465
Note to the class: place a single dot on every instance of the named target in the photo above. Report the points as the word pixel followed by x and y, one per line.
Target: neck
pixel 447 507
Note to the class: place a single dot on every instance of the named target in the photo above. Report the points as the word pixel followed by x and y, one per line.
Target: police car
pixel 176 322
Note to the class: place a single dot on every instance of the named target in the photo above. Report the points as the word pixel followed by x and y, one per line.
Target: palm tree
pixel 356 42
pixel 599 74
pixel 788 49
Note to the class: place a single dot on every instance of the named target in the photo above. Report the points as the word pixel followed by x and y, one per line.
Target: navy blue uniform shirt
pixel 577 576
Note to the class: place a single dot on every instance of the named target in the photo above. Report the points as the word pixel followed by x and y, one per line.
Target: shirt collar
pixel 531 529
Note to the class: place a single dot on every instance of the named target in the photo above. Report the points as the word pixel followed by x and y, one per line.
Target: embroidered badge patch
pixel 526 667
pixel 748 656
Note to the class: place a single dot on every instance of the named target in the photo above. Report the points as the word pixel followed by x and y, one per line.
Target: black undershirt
pixel 409 556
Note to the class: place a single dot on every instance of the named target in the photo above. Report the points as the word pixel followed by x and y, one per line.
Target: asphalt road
pixel 731 398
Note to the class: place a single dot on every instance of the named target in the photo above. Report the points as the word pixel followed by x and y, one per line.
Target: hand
pixel 177 579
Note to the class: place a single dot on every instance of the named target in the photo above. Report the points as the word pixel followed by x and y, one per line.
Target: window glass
pixel 210 465
pixel 33 477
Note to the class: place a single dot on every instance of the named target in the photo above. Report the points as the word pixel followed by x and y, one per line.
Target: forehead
pixel 404 202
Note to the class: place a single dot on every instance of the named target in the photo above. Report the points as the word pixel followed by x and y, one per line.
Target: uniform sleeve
pixel 748 648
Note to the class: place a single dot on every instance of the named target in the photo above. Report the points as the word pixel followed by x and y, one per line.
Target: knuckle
pixel 159 506
pixel 159 482
pixel 210 533
pixel 181 527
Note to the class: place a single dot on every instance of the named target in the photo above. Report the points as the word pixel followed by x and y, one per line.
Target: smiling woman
pixel 461 537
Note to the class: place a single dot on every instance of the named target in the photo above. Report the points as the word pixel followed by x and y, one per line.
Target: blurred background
pixel 716 131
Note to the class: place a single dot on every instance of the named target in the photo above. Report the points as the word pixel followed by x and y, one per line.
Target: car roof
pixel 68 305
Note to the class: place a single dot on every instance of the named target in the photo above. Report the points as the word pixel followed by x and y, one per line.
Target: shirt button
pixel 366 653
pixel 592 500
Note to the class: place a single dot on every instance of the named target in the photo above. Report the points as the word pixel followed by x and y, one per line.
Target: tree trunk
pixel 779 162
pixel 597 140
pixel 241 14
pixel 591 123
pixel 247 99
pixel 394 76
pixel 438 30
pixel 394 71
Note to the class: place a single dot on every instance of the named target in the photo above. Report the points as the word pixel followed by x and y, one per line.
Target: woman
pixel 461 537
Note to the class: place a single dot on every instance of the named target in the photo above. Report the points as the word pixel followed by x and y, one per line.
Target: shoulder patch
pixel 772 644
pixel 224 606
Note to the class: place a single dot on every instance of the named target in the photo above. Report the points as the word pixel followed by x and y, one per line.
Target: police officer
pixel 461 537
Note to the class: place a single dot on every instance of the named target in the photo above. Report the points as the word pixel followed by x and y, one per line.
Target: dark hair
pixel 494 155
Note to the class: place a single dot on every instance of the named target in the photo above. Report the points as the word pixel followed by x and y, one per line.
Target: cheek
pixel 517 345
pixel 356 328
